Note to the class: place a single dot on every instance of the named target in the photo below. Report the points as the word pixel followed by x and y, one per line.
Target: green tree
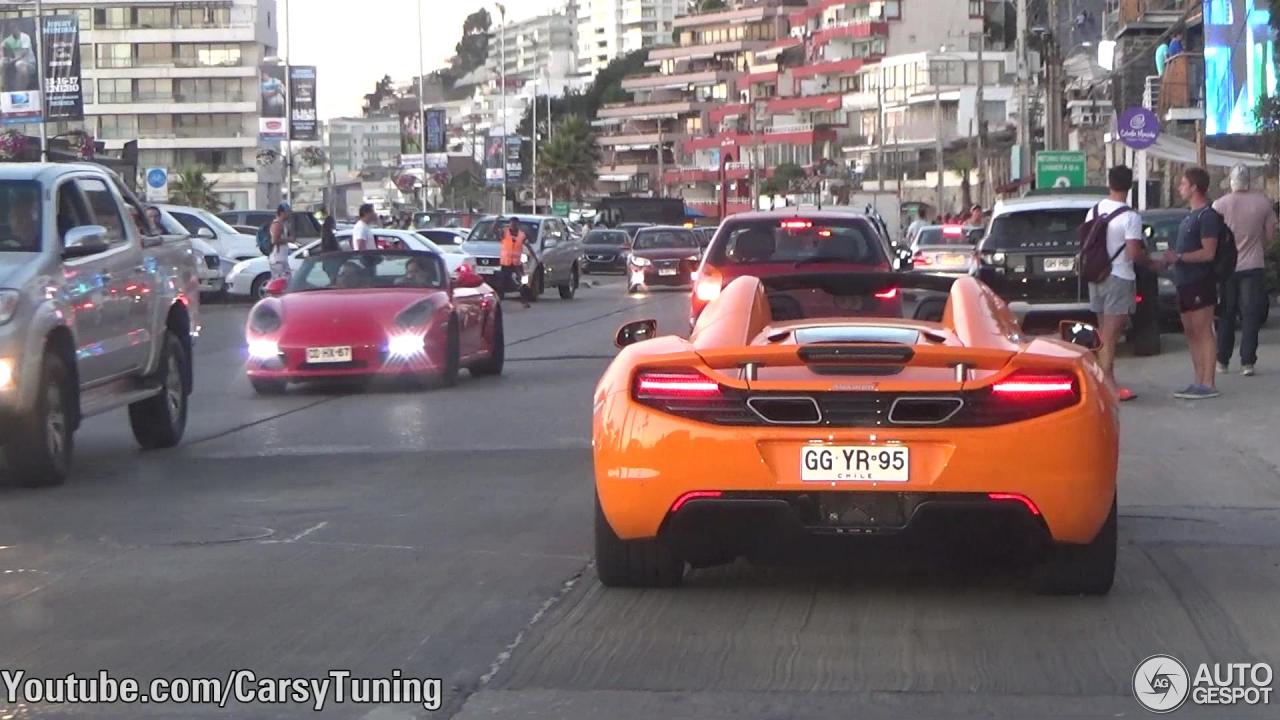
pixel 783 180
pixel 567 162
pixel 703 6
pixel 193 189
pixel 473 49
pixel 962 164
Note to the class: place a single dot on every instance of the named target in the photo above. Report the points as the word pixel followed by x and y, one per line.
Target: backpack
pixel 1226 254
pixel 264 238
pixel 1094 262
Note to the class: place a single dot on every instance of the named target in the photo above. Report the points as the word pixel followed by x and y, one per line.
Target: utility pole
pixel 937 124
pixel 880 163
pixel 44 132
pixel 533 176
pixel 288 105
pixel 980 155
pixel 1024 81
pixel 502 40
pixel 422 108
pixel 662 190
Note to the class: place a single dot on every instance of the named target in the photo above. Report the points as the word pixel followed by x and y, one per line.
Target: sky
pixel 353 43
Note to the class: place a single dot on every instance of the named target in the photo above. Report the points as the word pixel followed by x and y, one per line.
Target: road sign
pixel 560 209
pixel 1138 127
pixel 157 184
pixel 1060 169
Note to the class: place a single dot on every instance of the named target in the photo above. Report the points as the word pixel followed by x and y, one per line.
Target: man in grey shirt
pixel 1252 219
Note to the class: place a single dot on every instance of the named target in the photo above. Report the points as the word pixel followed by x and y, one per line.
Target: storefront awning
pixel 1176 149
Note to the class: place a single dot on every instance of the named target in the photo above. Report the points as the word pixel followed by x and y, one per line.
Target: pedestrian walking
pixel 914 228
pixel 512 261
pixel 1192 260
pixel 362 235
pixel 1113 297
pixel 328 236
pixel 281 235
pixel 1252 219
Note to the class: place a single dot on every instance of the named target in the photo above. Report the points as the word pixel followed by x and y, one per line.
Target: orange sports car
pixel 796 408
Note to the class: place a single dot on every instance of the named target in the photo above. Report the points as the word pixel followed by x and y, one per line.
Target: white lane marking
pixel 298 536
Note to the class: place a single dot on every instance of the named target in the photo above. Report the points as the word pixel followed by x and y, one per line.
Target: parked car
pixel 945 249
pixel 211 267
pixel 445 237
pixel 1028 258
pixel 553 256
pixel 605 251
pixel 632 227
pixel 250 278
pixel 305 225
pixel 212 229
pixel 98 311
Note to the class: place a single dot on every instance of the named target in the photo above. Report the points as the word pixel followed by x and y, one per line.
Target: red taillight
pixel 707 289
pixel 921 259
pixel 464 268
pixel 1033 385
pixel 889 294
pixel 952 231
pixel 1138 299
pixel 675 385
pixel 1014 497
pixel 795 224
pixel 694 495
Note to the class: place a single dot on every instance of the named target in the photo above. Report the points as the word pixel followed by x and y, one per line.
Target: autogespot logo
pixel 1161 683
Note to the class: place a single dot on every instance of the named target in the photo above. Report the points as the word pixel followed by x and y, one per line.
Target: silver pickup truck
pixel 98 310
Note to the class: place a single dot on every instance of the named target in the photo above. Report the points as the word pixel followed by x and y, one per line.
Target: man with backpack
pixel 1195 259
pixel 1111 245
pixel 281 233
pixel 1249 216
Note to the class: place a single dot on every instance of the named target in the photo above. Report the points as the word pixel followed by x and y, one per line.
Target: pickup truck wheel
pixel 567 291
pixel 160 420
pixel 39 450
pixel 258 289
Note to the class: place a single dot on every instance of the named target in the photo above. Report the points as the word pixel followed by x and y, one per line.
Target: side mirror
pixel 1082 334
pixel 206 234
pixel 550 242
pixel 276 287
pixel 84 241
pixel 1148 231
pixel 468 278
pixel 636 331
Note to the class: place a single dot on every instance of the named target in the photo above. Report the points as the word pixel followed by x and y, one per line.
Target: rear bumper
pixel 646 461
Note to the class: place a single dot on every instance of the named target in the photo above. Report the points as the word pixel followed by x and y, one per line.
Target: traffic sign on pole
pixel 1060 169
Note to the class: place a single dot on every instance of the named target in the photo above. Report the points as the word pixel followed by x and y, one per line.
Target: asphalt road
pixel 447 534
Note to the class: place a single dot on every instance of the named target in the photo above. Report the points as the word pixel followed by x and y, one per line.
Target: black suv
pixel 1028 257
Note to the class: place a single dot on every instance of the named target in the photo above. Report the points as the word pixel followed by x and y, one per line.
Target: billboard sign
pixel 60 46
pixel 20 81
pixel 410 132
pixel 271 90
pixel 494 172
pixel 436 130
pixel 515 170
pixel 1138 128
pixel 1239 64
pixel 302 103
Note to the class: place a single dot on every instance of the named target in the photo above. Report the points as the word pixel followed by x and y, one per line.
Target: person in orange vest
pixel 513 239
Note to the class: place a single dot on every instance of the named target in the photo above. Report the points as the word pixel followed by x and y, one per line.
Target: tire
pixel 1080 569
pixel 40 444
pixel 268 386
pixel 258 289
pixel 539 285
pixel 160 421
pixel 1145 338
pixel 633 563
pixel 493 364
pixel 567 291
pixel 452 356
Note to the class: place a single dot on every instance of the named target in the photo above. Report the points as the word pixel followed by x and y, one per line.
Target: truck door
pixel 84 287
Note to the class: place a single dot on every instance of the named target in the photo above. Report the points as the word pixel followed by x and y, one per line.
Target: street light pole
pixel 44 132
pixel 288 105
pixel 502 74
pixel 534 175
pixel 422 109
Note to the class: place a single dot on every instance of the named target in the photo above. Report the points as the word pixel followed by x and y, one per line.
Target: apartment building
pixel 355 144
pixel 181 79
pixel 608 29
pixel 535 48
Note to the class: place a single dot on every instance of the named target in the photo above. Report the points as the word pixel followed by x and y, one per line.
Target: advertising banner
pixel 302 103
pixel 436 120
pixel 515 171
pixel 1239 64
pixel 20 77
pixel 494 158
pixel 410 131
pixel 437 161
pixel 60 46
pixel 271 118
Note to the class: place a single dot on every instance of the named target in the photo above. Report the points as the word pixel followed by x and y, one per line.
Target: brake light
pixel 1031 385
pixel 675 385
pixel 694 495
pixel 889 294
pixel 824 233
pixel 795 224
pixel 952 231
pixel 1015 497
pixel 921 259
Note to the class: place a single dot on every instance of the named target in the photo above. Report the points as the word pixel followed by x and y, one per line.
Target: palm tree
pixel 192 189
pixel 961 164
pixel 567 162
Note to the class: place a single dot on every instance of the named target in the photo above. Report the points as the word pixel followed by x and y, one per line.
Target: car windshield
pixel 798 240
pixel 1046 227
pixel 442 237
pixel 20 216
pixel 611 238
pixel 361 270
pixel 491 231
pixel 664 239
pixel 939 235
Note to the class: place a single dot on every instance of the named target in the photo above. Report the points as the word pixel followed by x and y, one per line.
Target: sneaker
pixel 1197 392
pixel 1247 371
pixel 1223 368
pixel 1125 394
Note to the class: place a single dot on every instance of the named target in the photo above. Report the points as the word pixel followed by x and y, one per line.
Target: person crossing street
pixel 512 260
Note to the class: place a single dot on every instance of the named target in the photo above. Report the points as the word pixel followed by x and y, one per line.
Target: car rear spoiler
pixel 856 356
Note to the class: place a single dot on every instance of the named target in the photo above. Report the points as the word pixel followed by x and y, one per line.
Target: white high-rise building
pixel 179 77
pixel 608 29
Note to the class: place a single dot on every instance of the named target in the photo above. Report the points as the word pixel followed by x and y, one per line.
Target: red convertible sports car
pixel 374 313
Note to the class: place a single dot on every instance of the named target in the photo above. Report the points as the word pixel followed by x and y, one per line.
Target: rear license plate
pixel 329 354
pixel 667 272
pixel 953 260
pixel 1060 264
pixel 854 463
pixel 486 269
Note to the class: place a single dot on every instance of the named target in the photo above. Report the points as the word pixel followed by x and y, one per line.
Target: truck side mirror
pixel 83 241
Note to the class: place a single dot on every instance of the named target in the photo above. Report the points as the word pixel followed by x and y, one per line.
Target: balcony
pixel 1148 15
pixel 695 52
pixel 830 67
pixel 1176 95
pixel 810 102
pixel 675 80
pixel 647 111
pixel 850 29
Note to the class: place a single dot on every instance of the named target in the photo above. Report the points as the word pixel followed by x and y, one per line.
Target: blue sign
pixel 157 177
pixel 1138 128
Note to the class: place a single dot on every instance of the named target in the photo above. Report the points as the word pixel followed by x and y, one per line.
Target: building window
pixel 86 56
pixel 118 127
pixel 114 55
pixel 161 17
pixel 111 18
pixel 976 9
pixel 158 90
pixel 118 90
pixel 84 17
pixel 206 17
pixel 208 55
pixel 154 54
pixel 155 126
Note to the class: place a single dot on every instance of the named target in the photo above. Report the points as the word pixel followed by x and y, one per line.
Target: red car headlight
pixel 265 319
